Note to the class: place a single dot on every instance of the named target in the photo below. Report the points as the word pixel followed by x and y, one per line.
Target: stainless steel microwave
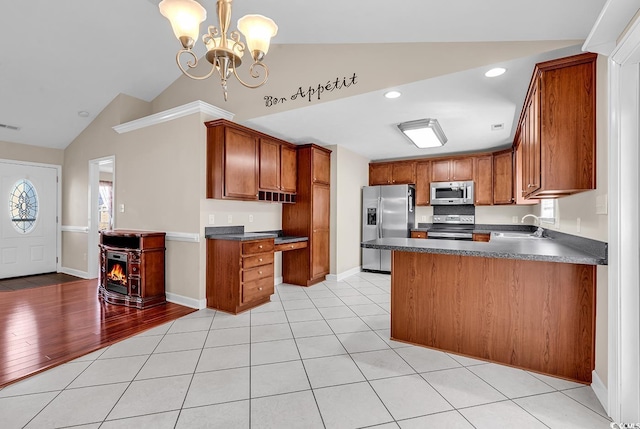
pixel 451 193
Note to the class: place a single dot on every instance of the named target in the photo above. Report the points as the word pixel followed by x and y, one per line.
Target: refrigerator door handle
pixel 410 202
pixel 379 217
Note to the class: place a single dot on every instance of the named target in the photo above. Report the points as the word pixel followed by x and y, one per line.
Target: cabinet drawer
pixel 135 269
pixel 257 273
pixel 258 289
pixel 257 247
pixel 418 234
pixel 257 260
pixel 283 247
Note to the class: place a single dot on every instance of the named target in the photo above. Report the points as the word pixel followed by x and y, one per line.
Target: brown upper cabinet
pixel 423 183
pixel 232 162
pixel 392 173
pixel 503 177
pixel 241 162
pixel 321 166
pixel 555 140
pixel 288 169
pixel 483 168
pixel 445 170
pixel 277 166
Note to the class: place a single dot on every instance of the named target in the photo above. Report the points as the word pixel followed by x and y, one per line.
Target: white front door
pixel 28 208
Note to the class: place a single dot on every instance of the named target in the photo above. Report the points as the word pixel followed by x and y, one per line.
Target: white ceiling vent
pixel 497 127
pixel 10 127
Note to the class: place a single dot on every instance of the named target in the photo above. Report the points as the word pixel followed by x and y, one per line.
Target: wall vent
pixel 10 127
pixel 497 127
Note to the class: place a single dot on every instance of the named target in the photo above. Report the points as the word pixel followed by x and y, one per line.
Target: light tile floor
pixel 317 357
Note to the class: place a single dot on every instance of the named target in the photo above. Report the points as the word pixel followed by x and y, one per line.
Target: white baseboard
pixel 277 280
pixel 600 390
pixel 198 304
pixel 72 272
pixel 343 275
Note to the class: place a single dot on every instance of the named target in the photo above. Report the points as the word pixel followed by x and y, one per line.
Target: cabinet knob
pixel 260 260
pixel 259 288
pixel 260 246
pixel 291 246
pixel 259 272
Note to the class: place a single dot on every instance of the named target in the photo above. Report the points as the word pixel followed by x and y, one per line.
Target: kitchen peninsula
pixel 525 303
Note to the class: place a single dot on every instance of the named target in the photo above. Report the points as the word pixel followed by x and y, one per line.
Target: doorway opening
pixel 102 186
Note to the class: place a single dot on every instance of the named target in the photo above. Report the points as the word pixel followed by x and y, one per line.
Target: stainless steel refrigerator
pixel 387 211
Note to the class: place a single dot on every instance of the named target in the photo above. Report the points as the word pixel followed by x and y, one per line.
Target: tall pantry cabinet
pixel 309 217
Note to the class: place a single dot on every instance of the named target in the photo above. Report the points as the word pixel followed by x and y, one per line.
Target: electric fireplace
pixel 132 268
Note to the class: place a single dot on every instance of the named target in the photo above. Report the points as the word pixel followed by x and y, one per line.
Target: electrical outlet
pixel 229 219
pixel 578 220
pixel 250 218
pixel 212 219
pixel 423 218
pixel 514 219
pixel 121 208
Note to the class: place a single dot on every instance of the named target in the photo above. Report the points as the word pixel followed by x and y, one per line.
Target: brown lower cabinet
pixel 239 274
pixel 418 234
pixel 533 315
pixel 481 237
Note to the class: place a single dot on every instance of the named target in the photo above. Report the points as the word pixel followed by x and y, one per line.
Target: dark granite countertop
pixel 237 233
pixel 556 247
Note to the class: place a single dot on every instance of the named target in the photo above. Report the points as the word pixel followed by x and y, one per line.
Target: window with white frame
pixel 548 211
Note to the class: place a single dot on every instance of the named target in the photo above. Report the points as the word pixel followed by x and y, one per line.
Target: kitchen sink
pixel 516 235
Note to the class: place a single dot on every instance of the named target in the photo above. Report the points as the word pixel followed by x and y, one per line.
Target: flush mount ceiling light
pixel 424 133
pixel 392 94
pixel 224 52
pixel 495 72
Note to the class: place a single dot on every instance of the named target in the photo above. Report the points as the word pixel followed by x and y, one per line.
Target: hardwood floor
pixel 50 325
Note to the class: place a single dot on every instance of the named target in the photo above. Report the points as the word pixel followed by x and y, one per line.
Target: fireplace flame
pixel 117 274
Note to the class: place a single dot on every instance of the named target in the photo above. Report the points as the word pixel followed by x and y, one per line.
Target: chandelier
pixel 224 52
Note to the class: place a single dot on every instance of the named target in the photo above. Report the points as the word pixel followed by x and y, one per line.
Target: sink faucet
pixel 538 233
pixel 537 219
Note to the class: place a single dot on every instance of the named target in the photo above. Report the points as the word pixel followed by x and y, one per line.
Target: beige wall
pixel 27 153
pixel 293 66
pixel 349 173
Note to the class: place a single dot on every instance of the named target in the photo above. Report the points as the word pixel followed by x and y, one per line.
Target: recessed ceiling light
pixel 392 94
pixel 495 72
pixel 83 114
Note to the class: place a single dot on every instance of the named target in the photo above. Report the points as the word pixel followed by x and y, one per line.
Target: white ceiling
pixel 60 58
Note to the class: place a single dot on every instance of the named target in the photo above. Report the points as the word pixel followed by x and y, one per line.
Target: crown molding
pixel 197 106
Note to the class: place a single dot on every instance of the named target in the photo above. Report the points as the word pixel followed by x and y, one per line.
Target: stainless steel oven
pixel 452 227
pixel 452 193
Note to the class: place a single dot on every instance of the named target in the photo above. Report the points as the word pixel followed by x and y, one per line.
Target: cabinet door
pixel 379 174
pixel 440 170
pixel 534 136
pixel 462 169
pixel 269 165
pixel 321 166
pixel 503 178
pixel 288 169
pixel 423 183
pixel 319 253
pixel 403 173
pixel 484 181
pixel 240 165
pixel 320 220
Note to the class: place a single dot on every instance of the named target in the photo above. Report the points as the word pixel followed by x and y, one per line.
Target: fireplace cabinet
pixel 132 268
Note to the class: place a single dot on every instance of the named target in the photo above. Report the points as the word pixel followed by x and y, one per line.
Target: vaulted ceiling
pixel 60 58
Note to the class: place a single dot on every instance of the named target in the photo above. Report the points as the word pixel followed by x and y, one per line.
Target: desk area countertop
pixel 237 233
